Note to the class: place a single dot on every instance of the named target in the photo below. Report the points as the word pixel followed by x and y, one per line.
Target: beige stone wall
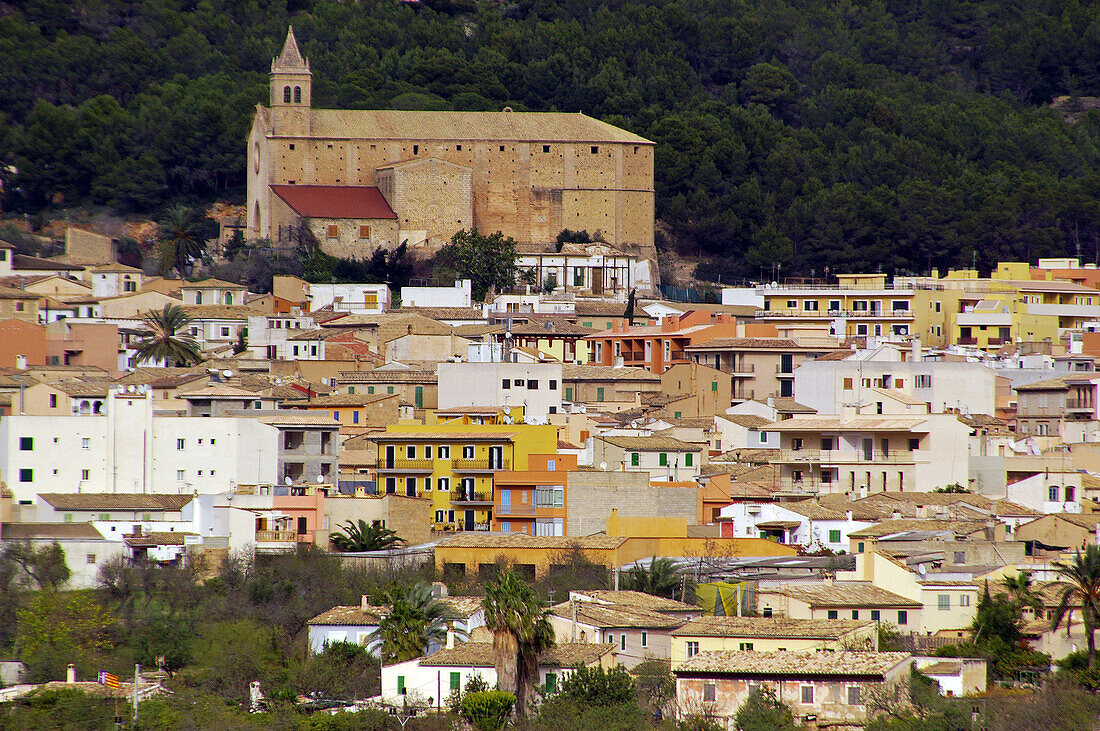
pixel 434 197
pixel 88 248
pixel 347 244
pixel 527 190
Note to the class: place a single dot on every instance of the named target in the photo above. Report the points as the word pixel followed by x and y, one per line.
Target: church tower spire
pixel 291 82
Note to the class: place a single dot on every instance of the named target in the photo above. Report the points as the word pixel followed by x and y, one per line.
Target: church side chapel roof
pixel 335 201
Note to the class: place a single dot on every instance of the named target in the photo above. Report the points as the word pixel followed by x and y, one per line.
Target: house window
pixel 90 558
pixel 551 682
pixel 553 385
pixel 807 694
pixel 662 459
pixel 286 95
pixel 834 536
pixel 439 516
pixel 180 476
pixel 506 384
pixel 427 451
pixel 599 393
pixel 391 485
pixel 533 385
pixel 26 444
pixel 855 614
pixel 546 148
pixel 86 475
pixel 595 149
pixel 364 232
pixel 708 692
pixel 688 459
pixel 645 638
pixel 444 451
pixel 634 458
pixel 568 393
pixel 853 695
pixel 225 330
pixel 622 642
pixel 943 602
pixel 468 451
pixel 26 475
pixel 964 600
pixel 333 231
pixel 875 614
pixel 833 614
pixel 456 681
pixel 410 451
pixel 444 484
pixel 692 649
pixel 745 647
pixel 1053 494
pixel 914 445
pixel 859 547
pixel 903 617
pixel 401 684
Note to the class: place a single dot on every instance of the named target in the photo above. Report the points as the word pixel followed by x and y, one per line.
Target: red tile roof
pixel 335 201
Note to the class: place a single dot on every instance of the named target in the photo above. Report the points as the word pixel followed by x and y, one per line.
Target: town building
pixel 527 175
pixel 657 347
pixel 772 634
pixel 859 305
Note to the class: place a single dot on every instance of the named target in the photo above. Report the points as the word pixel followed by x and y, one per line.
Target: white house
pixel 804 523
pixel 534 386
pixel 114 280
pixel 457 296
pixel 429 680
pixel 358 299
pixel 1049 491
pixel 213 292
pixel 268 334
pixel 595 268
pixel 128 449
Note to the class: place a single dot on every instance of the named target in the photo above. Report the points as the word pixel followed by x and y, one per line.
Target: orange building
pixel 532 501
pixel 22 343
pixel 302 514
pixel 657 347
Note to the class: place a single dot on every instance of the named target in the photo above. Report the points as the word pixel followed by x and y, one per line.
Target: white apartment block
pixel 358 299
pixel 457 296
pixel 267 334
pixel 802 523
pixel 129 450
pixel 534 386
pixel 842 386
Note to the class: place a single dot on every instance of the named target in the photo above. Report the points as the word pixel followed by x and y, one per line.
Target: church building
pixel 360 179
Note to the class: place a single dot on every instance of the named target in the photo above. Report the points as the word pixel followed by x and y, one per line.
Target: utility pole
pixel 137 678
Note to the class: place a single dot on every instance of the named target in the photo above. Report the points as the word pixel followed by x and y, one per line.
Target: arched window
pixel 297 95
pixel 286 95
pixel 228 298
pixel 198 298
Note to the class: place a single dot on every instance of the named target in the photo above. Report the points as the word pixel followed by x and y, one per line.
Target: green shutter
pixel 634 459
pixel 688 458
pixel 456 681
pixel 834 536
pixel 714 385
pixel 568 393
pixel 351 390
pixel 370 389
pixel 662 459
pixel 599 393
pixel 419 397
pixel 551 682
pixel 401 684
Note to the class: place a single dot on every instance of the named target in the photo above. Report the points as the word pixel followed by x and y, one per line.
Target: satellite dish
pixel 287 480
pixel 131 389
pixel 320 479
pixel 603 465
pixel 227 373
pixel 278 381
pixel 921 569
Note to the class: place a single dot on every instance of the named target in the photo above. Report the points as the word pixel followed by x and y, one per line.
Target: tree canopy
pixel 812 135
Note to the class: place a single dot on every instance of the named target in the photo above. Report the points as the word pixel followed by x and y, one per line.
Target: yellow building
pixel 771 634
pixel 859 305
pixel 454 464
pixel 1008 306
pixel 479 554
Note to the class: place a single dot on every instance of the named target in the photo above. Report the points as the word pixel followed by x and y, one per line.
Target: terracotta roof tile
pixel 335 201
pixel 774 627
pixel 795 664
pixel 114 501
pixel 476 539
pixel 842 594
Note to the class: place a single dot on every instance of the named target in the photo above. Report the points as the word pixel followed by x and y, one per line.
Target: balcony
pixel 846 456
pixel 1080 405
pixel 967 341
pixel 406 465
pixel 743 371
pixel 503 511
pixel 277 540
pixel 480 465
pixel 473 498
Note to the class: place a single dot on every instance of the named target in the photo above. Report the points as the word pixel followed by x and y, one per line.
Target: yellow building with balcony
pixel 858 305
pixel 1008 306
pixel 453 464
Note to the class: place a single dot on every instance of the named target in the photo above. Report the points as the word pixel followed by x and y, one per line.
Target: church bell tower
pixel 290 91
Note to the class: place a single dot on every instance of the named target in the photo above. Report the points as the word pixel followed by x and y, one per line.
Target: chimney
pixel 896 515
pixel 848 515
pixel 70 673
pixel 450 636
pixel 364 605
pixel 915 345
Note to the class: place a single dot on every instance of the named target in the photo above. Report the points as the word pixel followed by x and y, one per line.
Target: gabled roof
pixel 651 444
pixel 573 372
pixel 640 600
pixel 114 501
pixel 22 262
pixel 773 627
pixel 391 124
pixel 335 201
pixel 793 664
pixel 211 283
pixel 351 615
pixel 613 616
pixel 842 594
pixel 50 531
pixel 480 655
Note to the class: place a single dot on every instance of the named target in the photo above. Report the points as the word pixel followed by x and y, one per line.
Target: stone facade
pixel 530 174
pixel 592 495
pixel 433 198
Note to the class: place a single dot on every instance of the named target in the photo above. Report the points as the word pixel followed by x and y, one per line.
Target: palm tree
pixel 1083 590
pixel 181 238
pixel 165 341
pixel 1021 592
pixel 521 632
pixel 662 578
pixel 416 620
pixel 362 537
